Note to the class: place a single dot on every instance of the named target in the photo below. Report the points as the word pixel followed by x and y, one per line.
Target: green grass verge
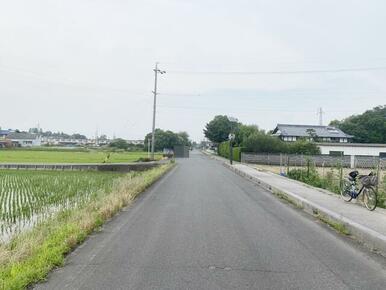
pixel 28 258
pixel 286 198
pixel 339 227
pixel 68 156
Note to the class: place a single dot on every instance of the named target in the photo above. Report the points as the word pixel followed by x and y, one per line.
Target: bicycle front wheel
pixel 345 191
pixel 370 198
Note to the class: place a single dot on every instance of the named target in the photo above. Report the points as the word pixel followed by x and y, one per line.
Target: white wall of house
pixel 354 149
pixel 28 142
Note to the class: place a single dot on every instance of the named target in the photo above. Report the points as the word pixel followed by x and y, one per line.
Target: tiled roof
pixel 21 136
pixel 303 131
pixel 4 132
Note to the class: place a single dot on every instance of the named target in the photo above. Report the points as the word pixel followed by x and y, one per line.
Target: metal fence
pixel 318 160
pixel 322 171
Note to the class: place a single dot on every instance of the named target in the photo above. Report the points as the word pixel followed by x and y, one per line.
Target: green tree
pixel 167 139
pixel 219 128
pixel 312 133
pixel 369 127
pixel 183 139
pixel 35 130
pixel 119 144
pixel 244 131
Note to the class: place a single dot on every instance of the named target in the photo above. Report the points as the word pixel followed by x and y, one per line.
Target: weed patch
pixel 339 227
pixel 284 197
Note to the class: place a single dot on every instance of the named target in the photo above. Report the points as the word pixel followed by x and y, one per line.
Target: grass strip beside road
pixel 28 258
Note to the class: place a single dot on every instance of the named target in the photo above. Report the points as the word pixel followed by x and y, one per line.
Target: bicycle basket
pixel 368 180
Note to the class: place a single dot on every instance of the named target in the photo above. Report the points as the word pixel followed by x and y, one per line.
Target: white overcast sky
pixel 86 65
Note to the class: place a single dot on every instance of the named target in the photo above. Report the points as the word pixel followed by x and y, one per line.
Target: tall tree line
pixel 369 127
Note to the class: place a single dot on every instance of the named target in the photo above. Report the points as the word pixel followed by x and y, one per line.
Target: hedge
pixel 263 143
pixel 223 150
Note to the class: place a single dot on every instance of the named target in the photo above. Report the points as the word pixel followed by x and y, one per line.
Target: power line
pixel 63 81
pixel 339 70
pixel 243 109
pixel 282 94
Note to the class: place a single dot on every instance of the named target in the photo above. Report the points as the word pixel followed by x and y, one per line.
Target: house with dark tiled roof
pixel 330 140
pixel 290 133
pixel 24 139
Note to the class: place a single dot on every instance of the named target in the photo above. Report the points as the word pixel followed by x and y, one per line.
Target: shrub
pixel 310 176
pixel 303 147
pixel 237 154
pixel 119 144
pixel 263 143
pixel 223 150
pixel 144 159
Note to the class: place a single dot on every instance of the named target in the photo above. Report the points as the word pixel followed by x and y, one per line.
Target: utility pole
pixel 156 72
pixel 320 113
pixel 96 136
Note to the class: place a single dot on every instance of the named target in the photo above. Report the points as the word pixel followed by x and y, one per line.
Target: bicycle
pixel 368 182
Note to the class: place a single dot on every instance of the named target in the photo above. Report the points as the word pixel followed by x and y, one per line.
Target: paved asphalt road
pixel 203 227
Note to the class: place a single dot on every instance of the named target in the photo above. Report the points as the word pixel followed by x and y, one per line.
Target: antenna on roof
pixel 320 114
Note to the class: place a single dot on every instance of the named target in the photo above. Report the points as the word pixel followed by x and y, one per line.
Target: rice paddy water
pixel 29 197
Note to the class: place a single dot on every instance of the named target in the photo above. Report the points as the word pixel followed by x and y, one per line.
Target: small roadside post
pixel 148 148
pixel 231 138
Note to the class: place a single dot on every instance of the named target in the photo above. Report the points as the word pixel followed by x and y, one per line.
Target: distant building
pixel 290 133
pixel 136 142
pixel 5 133
pixel 63 142
pixel 23 139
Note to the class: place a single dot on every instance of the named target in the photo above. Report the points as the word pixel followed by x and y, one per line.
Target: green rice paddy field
pixel 69 156
pixel 28 197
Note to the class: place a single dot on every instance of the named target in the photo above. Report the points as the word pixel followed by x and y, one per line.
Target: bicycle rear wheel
pixel 370 198
pixel 345 191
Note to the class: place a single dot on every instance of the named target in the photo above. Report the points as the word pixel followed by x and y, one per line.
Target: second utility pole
pixel 156 71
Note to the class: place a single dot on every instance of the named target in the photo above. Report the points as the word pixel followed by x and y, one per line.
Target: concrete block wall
pixel 119 167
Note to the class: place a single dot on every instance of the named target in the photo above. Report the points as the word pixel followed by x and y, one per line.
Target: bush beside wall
pixel 223 150
pixel 263 143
